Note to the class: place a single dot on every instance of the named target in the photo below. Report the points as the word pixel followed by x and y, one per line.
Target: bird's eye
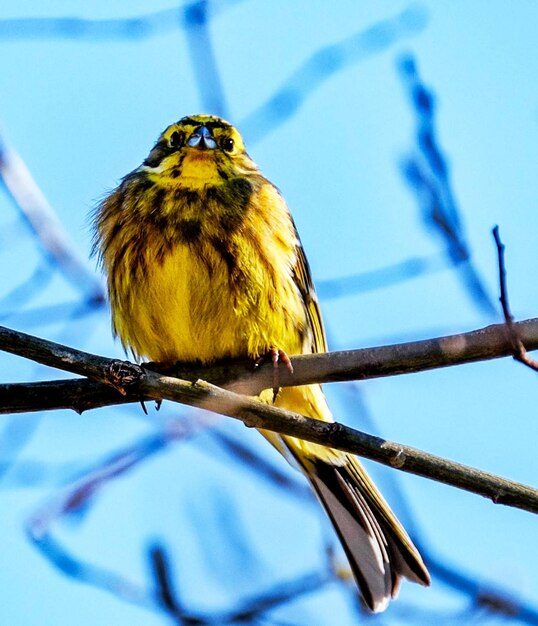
pixel 228 144
pixel 176 140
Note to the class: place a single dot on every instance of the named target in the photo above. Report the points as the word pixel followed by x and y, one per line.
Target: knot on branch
pixel 121 375
pixel 499 497
pixel 398 459
pixel 334 429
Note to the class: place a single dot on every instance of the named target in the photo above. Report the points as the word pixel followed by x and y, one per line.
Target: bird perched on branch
pixel 204 262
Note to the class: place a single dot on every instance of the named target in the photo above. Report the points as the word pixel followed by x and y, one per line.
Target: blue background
pixel 82 103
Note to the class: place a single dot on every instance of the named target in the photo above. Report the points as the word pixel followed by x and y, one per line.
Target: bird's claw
pixel 278 356
pixel 122 374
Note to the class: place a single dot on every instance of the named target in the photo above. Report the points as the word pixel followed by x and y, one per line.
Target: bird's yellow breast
pixel 216 295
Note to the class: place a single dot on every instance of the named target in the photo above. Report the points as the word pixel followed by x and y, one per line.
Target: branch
pixel 144 383
pixel 519 352
pixel 240 376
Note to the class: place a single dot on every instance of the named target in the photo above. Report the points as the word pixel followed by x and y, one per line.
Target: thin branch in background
pixel 75 28
pixel 427 173
pixel 77 495
pixel 165 591
pixel 51 314
pixel 495 599
pixel 325 63
pixel 90 574
pixel 203 58
pixel 379 278
pixel 247 612
pixel 267 471
pixel 44 224
pixel 520 353
pixel 25 291
pixel 281 594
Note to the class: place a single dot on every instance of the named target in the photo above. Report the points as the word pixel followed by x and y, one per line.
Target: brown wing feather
pixel 303 279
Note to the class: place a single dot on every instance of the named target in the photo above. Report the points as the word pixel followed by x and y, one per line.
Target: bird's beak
pixel 202 139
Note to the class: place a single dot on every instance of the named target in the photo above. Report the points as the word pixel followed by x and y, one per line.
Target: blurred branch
pixel 90 574
pixel 239 375
pixel 76 496
pixel 53 313
pixel 326 62
pixel 203 58
pixel 427 173
pixel 144 383
pixel 246 613
pixel 482 594
pixel 41 219
pixel 239 451
pixel 379 278
pixel 142 27
pixel 519 352
pixel 164 587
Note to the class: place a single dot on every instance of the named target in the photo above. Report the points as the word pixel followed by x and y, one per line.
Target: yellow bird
pixel 204 262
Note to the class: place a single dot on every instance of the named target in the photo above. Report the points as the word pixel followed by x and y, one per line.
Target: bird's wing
pixel 303 280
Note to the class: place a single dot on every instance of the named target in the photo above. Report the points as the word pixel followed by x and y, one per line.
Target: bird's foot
pixel 121 375
pixel 277 356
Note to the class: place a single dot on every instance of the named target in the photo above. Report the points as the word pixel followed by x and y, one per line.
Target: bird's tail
pixel 377 546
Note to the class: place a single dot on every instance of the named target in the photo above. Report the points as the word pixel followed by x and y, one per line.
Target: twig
pixel 427 172
pixel 145 383
pixel 519 352
pixel 167 597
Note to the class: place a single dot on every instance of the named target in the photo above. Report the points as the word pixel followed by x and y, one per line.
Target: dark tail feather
pixel 379 550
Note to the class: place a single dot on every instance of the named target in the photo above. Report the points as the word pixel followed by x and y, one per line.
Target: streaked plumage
pixel 204 262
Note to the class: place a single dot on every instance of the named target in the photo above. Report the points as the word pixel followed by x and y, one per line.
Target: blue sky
pixel 84 110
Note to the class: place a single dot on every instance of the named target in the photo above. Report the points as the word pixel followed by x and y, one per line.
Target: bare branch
pixel 519 352
pixel 240 375
pixel 144 383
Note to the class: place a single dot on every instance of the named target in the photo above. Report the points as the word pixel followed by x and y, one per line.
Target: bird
pixel 203 262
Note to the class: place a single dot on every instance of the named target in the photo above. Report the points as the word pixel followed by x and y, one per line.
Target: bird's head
pixel 199 150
